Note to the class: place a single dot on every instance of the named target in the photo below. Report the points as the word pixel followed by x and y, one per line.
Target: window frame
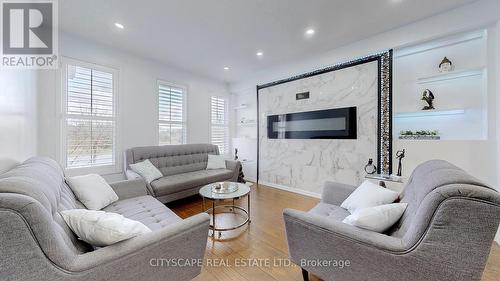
pixel 226 126
pixel 63 117
pixel 160 82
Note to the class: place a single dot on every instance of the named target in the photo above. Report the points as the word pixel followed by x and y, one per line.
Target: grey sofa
pixel 36 244
pixel 445 233
pixel 183 168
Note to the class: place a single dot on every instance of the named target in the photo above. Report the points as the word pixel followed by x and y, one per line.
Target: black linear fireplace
pixel 338 123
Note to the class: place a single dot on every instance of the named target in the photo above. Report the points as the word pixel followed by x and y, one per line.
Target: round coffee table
pixel 242 191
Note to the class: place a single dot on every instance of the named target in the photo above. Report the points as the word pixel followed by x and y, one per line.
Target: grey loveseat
pixel 445 233
pixel 183 168
pixel 36 244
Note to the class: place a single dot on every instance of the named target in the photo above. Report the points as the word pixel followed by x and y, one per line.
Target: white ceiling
pixel 203 36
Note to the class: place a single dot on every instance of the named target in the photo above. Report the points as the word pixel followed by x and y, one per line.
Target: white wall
pixel 137 96
pixel 18 128
pixel 478 15
pixel 496 78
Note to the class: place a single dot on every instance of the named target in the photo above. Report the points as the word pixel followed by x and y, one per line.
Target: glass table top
pixel 206 191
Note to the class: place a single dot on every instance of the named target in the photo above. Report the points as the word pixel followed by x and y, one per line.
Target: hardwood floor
pixel 259 251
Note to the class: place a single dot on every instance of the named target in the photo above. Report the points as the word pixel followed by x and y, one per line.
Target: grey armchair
pixel 446 232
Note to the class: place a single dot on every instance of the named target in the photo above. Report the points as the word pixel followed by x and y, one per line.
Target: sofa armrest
pixel 234 166
pixel 335 193
pixel 184 240
pixel 329 229
pixel 130 188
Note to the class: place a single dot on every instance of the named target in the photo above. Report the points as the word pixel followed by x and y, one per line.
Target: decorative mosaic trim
pixel 385 119
pixel 334 67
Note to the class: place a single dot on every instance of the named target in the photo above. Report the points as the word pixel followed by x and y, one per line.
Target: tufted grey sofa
pixel 36 244
pixel 183 168
pixel 445 233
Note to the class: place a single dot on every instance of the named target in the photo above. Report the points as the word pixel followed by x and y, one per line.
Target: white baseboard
pixel 291 189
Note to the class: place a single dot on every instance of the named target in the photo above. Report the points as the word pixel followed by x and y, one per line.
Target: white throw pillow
pixel 369 194
pixel 378 219
pixel 216 162
pixel 101 228
pixel 147 170
pixel 92 190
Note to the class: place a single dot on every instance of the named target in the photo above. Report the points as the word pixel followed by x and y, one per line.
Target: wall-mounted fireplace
pixel 338 123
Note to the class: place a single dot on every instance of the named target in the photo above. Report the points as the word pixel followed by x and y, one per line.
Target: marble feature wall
pixel 305 164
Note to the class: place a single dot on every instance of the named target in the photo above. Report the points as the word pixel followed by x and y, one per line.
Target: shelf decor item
pixel 370 168
pixel 446 65
pixel 224 187
pixel 419 135
pixel 400 154
pixel 428 97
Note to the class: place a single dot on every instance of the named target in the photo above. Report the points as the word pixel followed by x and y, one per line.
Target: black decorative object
pixel 446 65
pixel 241 176
pixel 370 168
pixel 338 123
pixel 302 96
pixel 236 154
pixel 400 154
pixel 428 97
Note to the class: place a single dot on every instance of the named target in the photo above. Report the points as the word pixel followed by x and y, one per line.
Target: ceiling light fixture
pixel 260 54
pixel 226 67
pixel 119 25
pixel 310 32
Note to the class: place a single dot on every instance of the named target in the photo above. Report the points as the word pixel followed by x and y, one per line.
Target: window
pixel 171 114
pixel 88 116
pixel 219 132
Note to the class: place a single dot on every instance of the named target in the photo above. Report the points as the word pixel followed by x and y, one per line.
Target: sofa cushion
pixel 100 228
pixel 92 190
pixel 330 211
pixel 175 183
pixel 145 209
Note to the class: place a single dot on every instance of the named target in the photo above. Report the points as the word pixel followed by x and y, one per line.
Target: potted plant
pixel 419 135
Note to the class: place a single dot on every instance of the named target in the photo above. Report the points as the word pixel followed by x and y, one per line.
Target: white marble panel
pixel 306 164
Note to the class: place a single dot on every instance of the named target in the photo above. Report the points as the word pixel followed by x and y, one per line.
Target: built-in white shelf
pixel 427 113
pixel 245 138
pixel 247 124
pixel 452 75
pixel 241 106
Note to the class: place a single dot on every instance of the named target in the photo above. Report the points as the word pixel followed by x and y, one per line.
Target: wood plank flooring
pixel 259 251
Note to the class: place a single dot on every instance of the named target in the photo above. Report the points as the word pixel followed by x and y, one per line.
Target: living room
pixel 250 140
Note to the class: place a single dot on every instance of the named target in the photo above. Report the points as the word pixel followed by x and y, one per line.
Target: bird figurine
pixel 428 97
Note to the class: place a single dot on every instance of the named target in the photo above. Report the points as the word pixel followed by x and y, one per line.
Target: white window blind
pixel 89 117
pixel 219 132
pixel 171 123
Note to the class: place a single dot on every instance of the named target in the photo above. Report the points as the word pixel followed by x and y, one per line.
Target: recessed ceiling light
pixel 310 32
pixel 260 54
pixel 226 67
pixel 119 25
